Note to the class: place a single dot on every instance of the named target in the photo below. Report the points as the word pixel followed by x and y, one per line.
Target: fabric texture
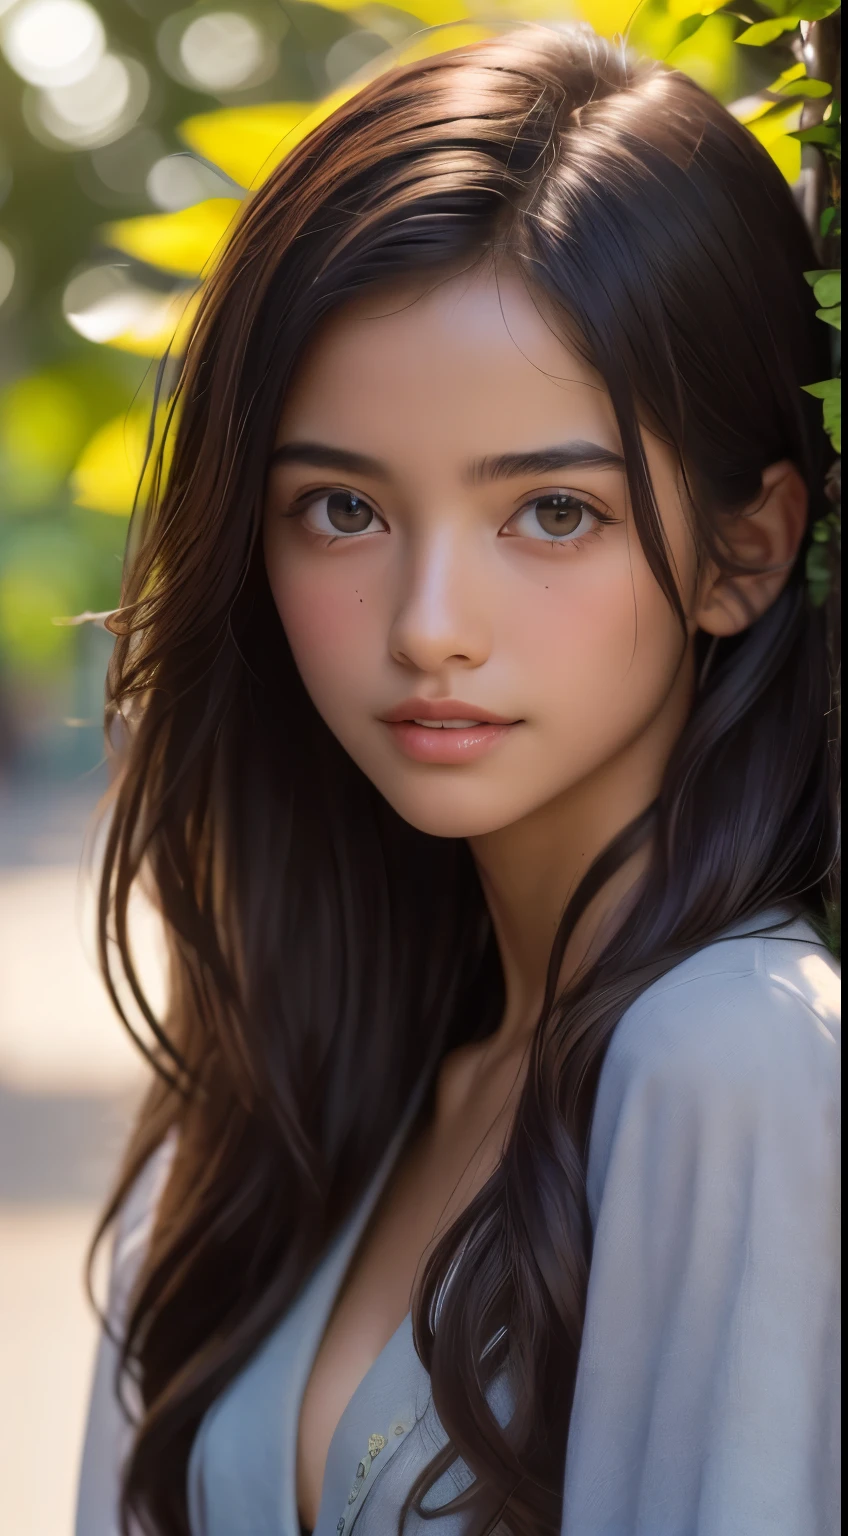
pixel 707 1395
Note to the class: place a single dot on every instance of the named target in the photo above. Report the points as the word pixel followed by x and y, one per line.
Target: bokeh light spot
pixel 180 181
pixel 53 42
pixel 222 50
pixel 100 107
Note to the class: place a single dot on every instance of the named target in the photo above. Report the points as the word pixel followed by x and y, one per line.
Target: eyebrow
pixel 502 466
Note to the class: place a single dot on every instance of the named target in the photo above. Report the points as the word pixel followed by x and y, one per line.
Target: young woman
pixel 477 750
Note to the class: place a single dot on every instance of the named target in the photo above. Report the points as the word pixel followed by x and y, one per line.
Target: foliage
pixel 72 420
pixel 697 35
pixel 822 131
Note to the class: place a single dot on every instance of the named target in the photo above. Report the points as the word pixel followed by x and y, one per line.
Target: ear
pixel 766 537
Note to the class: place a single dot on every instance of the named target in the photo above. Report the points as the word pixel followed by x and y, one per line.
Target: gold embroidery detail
pixel 375 1444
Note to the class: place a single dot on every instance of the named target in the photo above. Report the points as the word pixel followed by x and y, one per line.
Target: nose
pixel 441 616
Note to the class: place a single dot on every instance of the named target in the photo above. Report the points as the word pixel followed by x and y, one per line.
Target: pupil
pixel 559 514
pixel 347 513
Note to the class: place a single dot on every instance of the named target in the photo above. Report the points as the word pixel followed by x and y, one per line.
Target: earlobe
pixel 764 539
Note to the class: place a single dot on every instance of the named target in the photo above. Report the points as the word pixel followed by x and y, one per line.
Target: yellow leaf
pixel 709 56
pixel 786 154
pixel 244 141
pixel 681 10
pixel 428 45
pixel 606 16
pixel 106 475
pixel 773 125
pixel 772 128
pixel 433 13
pixel 181 242
pixel 795 72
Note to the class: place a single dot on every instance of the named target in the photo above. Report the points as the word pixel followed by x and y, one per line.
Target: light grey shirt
pixel 707 1393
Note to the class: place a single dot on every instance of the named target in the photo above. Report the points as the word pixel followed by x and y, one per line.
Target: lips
pixel 448 713
pixel 446 732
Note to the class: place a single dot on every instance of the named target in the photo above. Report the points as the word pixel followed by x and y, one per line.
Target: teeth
pixel 448 725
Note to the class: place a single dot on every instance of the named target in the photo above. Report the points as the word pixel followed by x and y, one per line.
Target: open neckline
pixel 337 1263
pixel 339 1259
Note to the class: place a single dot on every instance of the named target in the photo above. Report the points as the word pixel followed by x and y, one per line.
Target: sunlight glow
pixel 53 42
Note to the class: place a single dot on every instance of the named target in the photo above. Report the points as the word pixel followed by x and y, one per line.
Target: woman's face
pixel 448 539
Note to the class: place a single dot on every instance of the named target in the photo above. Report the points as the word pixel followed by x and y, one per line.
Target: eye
pixel 340 513
pixel 560 515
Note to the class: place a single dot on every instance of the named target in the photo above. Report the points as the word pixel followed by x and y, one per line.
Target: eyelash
pixel 305 503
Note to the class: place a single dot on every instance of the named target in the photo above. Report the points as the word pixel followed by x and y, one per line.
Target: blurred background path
pixel 69 1080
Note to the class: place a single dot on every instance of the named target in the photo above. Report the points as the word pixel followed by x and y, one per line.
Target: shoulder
pixel 747 1003
pixel 745 1029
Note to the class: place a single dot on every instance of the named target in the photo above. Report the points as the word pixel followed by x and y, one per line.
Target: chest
pixel 436 1177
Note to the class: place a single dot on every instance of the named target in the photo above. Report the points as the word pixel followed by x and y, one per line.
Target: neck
pixel 530 870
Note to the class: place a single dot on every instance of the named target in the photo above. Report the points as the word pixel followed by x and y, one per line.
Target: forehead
pixel 468 362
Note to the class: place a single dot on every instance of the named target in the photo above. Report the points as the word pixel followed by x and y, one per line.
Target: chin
pixel 449 810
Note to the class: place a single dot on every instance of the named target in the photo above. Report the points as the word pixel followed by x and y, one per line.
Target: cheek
pixel 328 621
pixel 600 645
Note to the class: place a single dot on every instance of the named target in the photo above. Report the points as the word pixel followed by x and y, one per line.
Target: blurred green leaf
pixel 810 89
pixel 814 10
pixel 763 32
pixel 821 134
pixel 42 579
pixel 29 602
pixel 829 391
pixel 831 316
pixel 826 284
pixel 43 423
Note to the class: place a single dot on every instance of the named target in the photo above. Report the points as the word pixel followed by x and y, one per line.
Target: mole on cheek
pixel 320 621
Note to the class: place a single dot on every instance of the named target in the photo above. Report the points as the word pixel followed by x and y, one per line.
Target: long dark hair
pixel 309 927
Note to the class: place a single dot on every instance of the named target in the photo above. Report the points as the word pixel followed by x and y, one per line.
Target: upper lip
pixel 443 709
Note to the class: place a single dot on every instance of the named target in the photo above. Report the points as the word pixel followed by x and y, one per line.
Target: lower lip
pixel 437 744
